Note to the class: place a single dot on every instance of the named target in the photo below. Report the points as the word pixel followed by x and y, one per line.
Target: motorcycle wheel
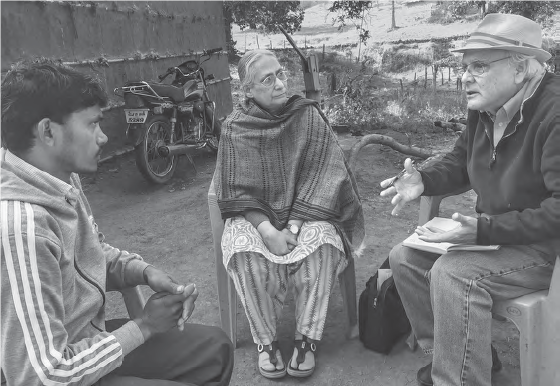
pixel 215 137
pixel 152 165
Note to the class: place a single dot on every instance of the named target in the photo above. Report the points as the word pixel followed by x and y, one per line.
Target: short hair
pixel 245 67
pixel 34 91
pixel 533 65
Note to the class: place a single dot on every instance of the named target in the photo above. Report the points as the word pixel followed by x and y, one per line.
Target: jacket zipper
pixel 494 148
pixel 91 282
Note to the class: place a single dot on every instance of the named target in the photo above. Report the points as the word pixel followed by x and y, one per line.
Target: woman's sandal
pixel 302 347
pixel 274 355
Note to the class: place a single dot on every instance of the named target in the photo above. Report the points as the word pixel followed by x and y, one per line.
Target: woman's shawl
pixel 288 166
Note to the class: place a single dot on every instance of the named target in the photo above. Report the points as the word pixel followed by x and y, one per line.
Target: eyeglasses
pixel 270 80
pixel 478 68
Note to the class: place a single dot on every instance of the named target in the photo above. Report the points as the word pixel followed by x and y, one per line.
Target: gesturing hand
pixel 463 234
pixel 408 187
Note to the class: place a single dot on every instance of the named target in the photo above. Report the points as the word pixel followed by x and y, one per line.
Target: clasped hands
pixel 277 242
pixel 408 187
pixel 170 306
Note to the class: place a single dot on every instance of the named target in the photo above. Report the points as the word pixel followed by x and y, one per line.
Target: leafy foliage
pixel 539 11
pixel 265 16
pixel 351 11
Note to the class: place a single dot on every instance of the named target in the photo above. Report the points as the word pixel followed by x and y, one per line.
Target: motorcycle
pixel 169 120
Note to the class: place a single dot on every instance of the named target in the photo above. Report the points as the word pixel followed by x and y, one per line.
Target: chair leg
pixel 227 298
pixel 527 319
pixel 347 280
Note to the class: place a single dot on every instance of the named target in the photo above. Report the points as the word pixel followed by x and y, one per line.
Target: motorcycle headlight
pixel 158 110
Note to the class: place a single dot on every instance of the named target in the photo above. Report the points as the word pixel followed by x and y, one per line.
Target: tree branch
pixel 388 141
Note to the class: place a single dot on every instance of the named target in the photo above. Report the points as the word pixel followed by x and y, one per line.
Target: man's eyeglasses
pixel 478 68
pixel 270 80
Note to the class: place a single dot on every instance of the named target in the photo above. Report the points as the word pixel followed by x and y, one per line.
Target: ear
pixel 247 91
pixel 46 132
pixel 520 73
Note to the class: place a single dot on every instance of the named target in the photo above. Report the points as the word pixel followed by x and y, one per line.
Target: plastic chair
pixel 227 295
pixel 536 316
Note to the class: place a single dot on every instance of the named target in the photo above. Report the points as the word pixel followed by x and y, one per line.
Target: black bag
pixel 382 319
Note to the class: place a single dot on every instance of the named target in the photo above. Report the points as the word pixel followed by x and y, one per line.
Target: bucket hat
pixel 500 31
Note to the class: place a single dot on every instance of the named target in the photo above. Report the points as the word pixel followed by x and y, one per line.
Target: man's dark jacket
pixel 518 181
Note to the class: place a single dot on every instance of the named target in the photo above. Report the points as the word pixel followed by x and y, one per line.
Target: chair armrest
pixel 429 205
pixel 134 301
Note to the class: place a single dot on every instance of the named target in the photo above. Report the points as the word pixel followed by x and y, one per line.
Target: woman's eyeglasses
pixel 270 80
pixel 478 68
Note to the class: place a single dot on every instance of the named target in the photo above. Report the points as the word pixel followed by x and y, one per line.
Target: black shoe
pixel 424 375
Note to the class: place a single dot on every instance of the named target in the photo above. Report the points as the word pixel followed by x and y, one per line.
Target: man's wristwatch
pixel 293 228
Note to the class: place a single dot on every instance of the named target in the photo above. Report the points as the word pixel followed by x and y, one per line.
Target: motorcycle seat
pixel 165 90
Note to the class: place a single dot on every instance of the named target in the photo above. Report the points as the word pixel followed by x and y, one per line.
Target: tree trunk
pixel 230 43
pixel 393 24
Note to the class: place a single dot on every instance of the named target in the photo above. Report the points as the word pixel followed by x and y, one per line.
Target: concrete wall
pixel 118 40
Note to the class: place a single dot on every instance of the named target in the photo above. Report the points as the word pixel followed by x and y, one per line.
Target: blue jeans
pixel 448 300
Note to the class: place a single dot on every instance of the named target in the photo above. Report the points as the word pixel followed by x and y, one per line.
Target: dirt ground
pixel 169 226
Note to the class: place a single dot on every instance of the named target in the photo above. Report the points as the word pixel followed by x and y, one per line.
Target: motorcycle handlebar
pixel 170 70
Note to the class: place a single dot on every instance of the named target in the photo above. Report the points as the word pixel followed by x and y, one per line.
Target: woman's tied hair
pixel 34 91
pixel 245 67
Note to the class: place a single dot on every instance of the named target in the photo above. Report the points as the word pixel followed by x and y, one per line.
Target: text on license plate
pixel 136 116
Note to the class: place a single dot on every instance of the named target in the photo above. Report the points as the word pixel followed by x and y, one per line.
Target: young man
pixel 56 266
pixel 509 154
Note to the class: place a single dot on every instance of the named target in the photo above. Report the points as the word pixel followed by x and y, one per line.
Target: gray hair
pixel 533 65
pixel 245 68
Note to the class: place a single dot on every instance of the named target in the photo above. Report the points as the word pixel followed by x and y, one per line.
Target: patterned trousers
pixel 262 287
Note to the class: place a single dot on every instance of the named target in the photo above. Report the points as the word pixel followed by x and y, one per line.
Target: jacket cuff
pixel 483 231
pixel 129 337
pixel 134 273
pixel 255 217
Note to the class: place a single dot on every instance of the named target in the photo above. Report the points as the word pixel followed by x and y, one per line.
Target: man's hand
pixel 408 187
pixel 160 281
pixel 463 234
pixel 162 312
pixel 278 242
pixel 188 305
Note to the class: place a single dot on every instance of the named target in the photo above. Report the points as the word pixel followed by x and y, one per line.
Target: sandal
pixel 275 356
pixel 302 347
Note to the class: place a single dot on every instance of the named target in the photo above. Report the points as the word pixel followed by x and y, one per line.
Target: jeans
pixel 448 300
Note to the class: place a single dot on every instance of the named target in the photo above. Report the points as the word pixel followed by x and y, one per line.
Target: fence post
pixel 257 41
pixel 270 43
pixel 442 77
pixel 425 76
pixel 323 52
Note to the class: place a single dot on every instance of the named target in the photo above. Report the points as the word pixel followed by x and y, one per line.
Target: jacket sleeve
pixel 36 347
pixel 124 269
pixel 449 174
pixel 531 225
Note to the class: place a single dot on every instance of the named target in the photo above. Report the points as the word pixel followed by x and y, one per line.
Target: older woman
pixel 292 208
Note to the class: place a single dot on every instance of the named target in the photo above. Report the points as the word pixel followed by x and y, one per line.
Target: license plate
pixel 136 116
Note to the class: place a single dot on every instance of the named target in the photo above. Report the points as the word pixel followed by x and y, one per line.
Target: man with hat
pixel 509 154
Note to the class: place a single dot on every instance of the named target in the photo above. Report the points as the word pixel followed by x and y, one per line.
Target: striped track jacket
pixel 55 271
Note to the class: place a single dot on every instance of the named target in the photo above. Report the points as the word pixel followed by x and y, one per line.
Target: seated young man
pixel 56 266
pixel 509 154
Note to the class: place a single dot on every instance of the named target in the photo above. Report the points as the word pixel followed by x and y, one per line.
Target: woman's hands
pixel 407 188
pixel 278 242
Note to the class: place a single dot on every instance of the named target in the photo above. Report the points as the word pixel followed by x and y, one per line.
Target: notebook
pixel 444 224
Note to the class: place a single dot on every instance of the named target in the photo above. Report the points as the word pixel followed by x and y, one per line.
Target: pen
pixel 402 172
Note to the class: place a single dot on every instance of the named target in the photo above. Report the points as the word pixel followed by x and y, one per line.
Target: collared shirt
pixel 506 113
